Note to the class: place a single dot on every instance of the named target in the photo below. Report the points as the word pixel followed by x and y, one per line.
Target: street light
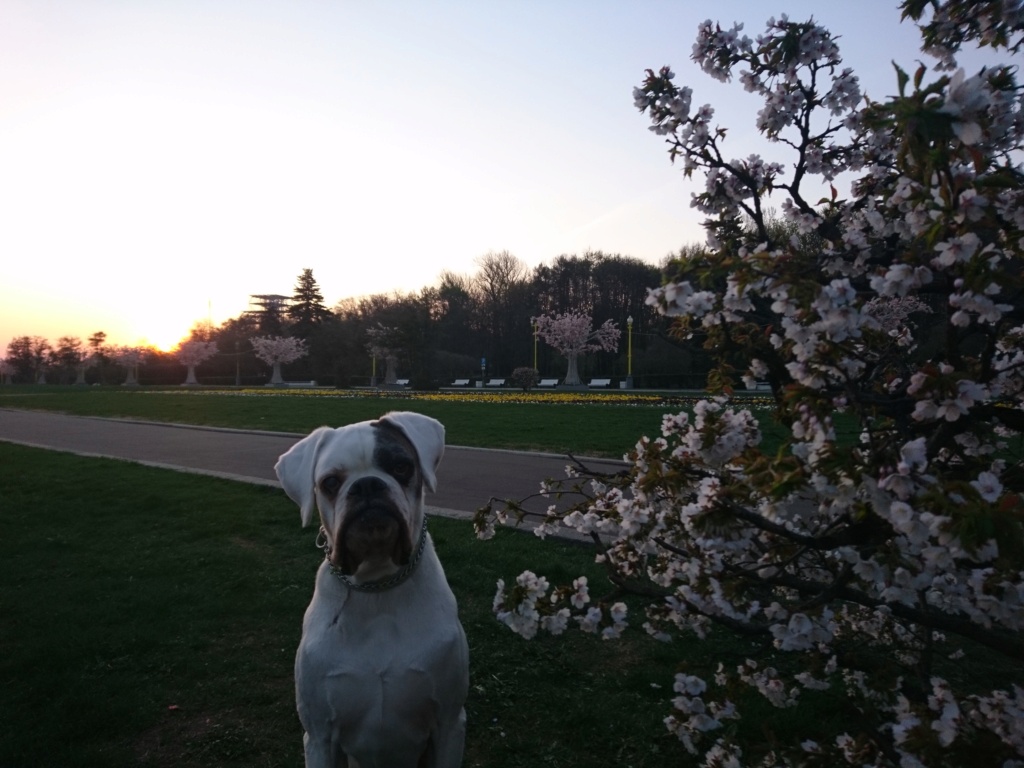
pixel 534 323
pixel 629 354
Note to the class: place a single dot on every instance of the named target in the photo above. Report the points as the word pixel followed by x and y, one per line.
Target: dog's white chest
pixel 380 670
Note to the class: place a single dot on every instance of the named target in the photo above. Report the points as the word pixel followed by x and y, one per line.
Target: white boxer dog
pixel 382 670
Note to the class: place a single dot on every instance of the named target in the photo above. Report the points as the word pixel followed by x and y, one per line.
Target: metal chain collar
pixel 381 584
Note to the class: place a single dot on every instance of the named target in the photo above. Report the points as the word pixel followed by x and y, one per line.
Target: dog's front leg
pixel 322 753
pixel 447 744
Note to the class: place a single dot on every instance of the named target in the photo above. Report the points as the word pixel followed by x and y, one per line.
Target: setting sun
pixel 165 342
pixel 164 327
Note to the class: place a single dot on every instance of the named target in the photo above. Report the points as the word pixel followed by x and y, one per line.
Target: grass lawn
pixel 151 619
pixel 599 424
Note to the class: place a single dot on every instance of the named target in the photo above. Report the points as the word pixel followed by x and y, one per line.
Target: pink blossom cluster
pixel 573 333
pixel 128 356
pixel 527 607
pixel 194 352
pixel 278 349
pixel 887 531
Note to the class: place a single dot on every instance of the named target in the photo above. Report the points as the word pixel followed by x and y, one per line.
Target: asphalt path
pixel 467 478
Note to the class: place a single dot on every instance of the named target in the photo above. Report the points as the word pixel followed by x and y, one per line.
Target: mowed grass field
pixel 599 424
pixel 150 618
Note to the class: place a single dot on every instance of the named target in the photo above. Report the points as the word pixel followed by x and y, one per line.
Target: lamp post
pixel 629 353
pixel 373 371
pixel 534 322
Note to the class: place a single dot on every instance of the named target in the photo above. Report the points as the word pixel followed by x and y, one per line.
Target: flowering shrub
pixel 525 378
pixel 864 564
pixel 277 350
pixel 573 334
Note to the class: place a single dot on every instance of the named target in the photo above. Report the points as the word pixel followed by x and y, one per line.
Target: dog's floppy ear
pixel 295 469
pixel 427 437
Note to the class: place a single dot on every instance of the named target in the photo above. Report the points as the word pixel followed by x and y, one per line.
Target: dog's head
pixel 367 480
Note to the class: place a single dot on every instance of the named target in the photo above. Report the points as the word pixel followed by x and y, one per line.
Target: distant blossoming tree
pixel 384 345
pixel 277 350
pixel 86 361
pixel 572 335
pixel 129 358
pixel 192 353
pixel 873 554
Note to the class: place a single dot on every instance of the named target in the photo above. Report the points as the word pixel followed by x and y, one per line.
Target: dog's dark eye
pixel 331 485
pixel 402 470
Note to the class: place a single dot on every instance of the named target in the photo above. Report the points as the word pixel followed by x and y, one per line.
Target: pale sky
pixel 160 161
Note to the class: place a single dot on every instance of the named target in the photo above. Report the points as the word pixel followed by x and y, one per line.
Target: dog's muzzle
pixel 373 528
pixel 381 584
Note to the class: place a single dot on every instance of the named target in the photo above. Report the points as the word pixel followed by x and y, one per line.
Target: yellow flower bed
pixel 625 397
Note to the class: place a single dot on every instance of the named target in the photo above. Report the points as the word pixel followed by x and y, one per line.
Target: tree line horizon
pixel 443 332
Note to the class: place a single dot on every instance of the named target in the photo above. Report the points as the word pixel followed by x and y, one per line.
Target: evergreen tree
pixel 307 309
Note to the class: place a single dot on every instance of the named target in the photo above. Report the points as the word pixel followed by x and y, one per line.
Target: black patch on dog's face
pixel 395 454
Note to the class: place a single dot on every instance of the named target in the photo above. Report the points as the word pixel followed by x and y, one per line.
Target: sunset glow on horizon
pixel 161 162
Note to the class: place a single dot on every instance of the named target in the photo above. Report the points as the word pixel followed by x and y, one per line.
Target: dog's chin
pixel 374 540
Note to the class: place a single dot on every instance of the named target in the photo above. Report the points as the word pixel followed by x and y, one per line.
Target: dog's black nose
pixel 365 487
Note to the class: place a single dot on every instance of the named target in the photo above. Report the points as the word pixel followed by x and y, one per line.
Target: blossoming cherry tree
pixel 874 551
pixel 192 353
pixel 572 334
pixel 275 351
pixel 130 358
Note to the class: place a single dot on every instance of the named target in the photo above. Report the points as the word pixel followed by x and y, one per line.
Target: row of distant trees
pixel 445 331
pixel 33 359
pixel 433 336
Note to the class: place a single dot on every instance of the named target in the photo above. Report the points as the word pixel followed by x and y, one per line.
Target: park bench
pixel 600 383
pixel 547 383
pixel 460 383
pixel 300 384
pixel 496 383
pixel 402 382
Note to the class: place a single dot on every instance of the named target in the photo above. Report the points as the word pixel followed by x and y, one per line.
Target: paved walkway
pixel 467 477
